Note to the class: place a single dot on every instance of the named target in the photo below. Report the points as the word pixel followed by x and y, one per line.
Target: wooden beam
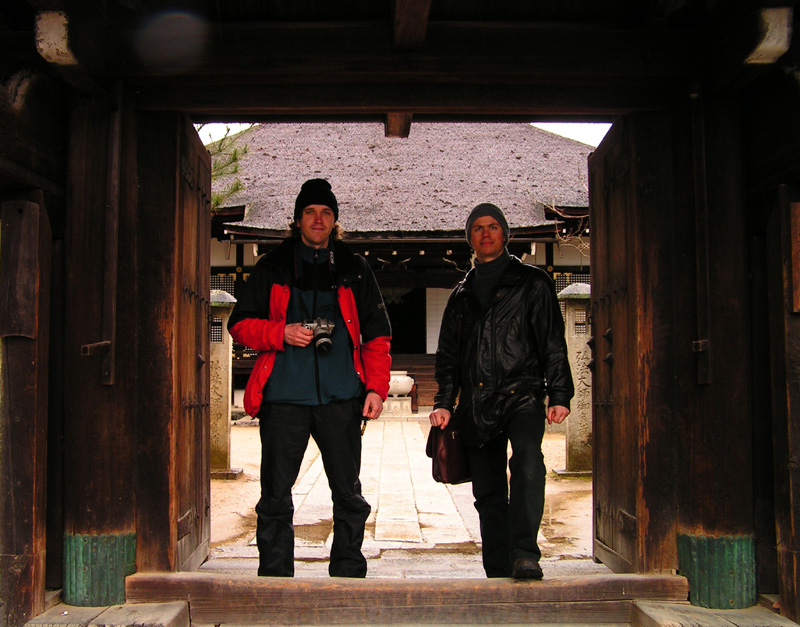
pixel 464 69
pixel 410 23
pixel 259 601
pixel 111 256
pixel 702 344
pixel 48 5
pixel 76 57
pixel 397 124
pixel 33 131
pixel 24 311
pixel 736 52
pixel 775 35
pixel 375 100
pixel 360 52
pixel 17 51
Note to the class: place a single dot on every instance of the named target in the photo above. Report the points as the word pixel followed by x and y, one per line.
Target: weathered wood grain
pixel 410 23
pixel 23 409
pixel 20 248
pixel 172 418
pixel 653 614
pixel 785 370
pixel 253 600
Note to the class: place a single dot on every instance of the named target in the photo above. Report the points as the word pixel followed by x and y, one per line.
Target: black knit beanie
pixel 315 192
pixel 487 209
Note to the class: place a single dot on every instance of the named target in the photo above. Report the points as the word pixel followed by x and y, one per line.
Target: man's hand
pixel 439 417
pixel 296 334
pixel 556 414
pixel 373 406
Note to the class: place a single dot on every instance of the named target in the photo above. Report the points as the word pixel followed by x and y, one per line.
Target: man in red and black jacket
pixel 313 310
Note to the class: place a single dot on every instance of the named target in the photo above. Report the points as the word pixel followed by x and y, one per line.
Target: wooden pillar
pixel 99 353
pixel 773 176
pixel 25 245
pixel 784 300
pixel 714 421
pixel 673 467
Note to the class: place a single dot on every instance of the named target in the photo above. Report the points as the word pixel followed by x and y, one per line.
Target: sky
pixel 590 134
pixel 212 132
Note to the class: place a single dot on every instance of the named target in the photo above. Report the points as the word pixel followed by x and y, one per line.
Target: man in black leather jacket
pixel 501 353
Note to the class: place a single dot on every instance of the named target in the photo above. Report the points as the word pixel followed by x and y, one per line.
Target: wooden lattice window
pixel 225 282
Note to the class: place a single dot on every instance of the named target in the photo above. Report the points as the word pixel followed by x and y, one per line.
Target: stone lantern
pixel 576 298
pixel 221 385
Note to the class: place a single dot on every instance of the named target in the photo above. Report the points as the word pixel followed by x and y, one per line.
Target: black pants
pixel 285 429
pixel 510 522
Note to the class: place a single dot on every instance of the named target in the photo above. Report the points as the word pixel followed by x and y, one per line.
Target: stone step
pixel 422 369
pixel 247 600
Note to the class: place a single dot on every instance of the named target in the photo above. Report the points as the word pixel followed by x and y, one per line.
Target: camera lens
pixel 323 342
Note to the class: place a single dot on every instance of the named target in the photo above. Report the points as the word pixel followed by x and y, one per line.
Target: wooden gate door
pixel 613 395
pixel 635 517
pixel 192 389
pixel 173 428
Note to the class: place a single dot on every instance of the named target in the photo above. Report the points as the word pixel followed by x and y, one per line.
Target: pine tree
pixel 225 156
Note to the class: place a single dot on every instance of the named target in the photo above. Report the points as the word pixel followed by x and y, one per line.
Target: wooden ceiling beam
pixel 74 54
pixel 367 100
pixel 47 5
pixel 739 50
pixel 410 23
pixel 774 35
pixel 397 124
pixel 453 52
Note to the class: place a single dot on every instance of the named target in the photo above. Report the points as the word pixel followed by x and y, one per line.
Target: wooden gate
pixel 192 388
pixel 614 395
pixel 634 496
pixel 173 499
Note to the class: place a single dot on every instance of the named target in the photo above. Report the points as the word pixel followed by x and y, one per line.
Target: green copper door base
pixel 721 570
pixel 95 568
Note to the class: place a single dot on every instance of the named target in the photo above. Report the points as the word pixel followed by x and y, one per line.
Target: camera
pixel 322 328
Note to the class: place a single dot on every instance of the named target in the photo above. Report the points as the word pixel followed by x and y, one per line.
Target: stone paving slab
pixel 417 527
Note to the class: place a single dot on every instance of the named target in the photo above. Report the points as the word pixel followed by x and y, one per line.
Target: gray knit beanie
pixel 487 209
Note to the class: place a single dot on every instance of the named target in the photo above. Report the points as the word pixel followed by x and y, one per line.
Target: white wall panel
pixel 436 299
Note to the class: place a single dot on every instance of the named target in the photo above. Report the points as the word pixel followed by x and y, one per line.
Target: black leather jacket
pixel 504 359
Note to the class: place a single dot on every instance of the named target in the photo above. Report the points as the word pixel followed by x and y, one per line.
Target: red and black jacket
pixel 259 317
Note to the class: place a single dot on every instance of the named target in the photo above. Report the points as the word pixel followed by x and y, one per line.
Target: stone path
pixel 418 528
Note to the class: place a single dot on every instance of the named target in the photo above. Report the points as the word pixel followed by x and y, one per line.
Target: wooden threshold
pixel 248 600
pixel 656 614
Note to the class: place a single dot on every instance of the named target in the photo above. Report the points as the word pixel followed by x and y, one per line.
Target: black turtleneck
pixel 487 276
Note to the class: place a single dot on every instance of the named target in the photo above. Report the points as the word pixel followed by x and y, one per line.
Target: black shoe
pixel 526 568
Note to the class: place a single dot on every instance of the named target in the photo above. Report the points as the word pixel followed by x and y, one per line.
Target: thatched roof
pixel 426 182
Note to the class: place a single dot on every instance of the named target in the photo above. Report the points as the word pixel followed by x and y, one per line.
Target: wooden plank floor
pixel 246 600
pixel 656 614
